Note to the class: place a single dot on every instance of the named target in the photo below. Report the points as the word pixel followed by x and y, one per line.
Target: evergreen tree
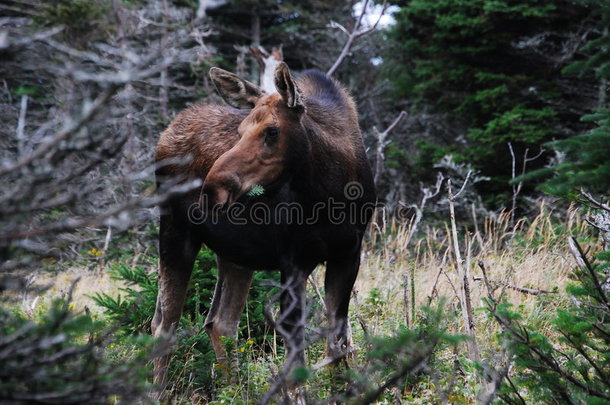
pixel 495 68
pixel 585 159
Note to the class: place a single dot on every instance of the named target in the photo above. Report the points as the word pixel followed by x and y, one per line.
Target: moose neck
pixel 317 165
pixel 324 150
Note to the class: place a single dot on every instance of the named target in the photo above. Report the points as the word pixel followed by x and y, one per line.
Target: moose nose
pixel 221 191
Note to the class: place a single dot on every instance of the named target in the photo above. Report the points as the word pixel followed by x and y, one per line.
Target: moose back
pixel 286 186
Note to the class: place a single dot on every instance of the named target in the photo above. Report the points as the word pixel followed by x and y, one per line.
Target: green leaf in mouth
pixel 256 190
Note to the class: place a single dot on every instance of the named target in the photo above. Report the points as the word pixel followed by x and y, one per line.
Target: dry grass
pixel 90 275
pixel 531 254
pixel 88 283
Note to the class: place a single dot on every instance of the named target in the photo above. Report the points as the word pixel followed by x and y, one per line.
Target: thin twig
pixel 517 187
pixel 434 290
pixel 455 196
pixel 317 290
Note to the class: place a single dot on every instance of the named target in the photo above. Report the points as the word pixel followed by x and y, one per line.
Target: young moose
pixel 302 147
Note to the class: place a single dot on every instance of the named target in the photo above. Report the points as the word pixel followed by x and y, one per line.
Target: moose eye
pixel 271 135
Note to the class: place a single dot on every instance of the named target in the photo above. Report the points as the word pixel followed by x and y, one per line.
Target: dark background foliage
pixel 501 71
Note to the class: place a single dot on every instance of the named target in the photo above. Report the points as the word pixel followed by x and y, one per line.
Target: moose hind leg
pixel 338 283
pixel 177 251
pixel 228 303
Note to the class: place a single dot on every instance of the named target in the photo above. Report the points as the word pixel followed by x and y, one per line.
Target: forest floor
pixel 528 262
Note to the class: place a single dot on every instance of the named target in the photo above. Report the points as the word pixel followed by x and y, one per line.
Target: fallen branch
pixel 531 291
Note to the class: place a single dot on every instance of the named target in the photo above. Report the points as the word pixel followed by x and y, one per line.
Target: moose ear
pixel 286 86
pixel 236 91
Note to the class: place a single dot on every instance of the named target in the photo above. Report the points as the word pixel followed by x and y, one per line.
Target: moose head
pixel 260 157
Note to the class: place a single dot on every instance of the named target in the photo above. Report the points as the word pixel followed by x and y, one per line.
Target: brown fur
pixel 204 132
pixel 316 151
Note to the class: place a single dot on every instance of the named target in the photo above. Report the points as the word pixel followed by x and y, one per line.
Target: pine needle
pixel 256 190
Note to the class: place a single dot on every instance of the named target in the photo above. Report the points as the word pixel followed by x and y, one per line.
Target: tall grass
pixel 532 254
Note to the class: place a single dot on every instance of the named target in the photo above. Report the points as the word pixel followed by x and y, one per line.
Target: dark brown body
pixel 314 159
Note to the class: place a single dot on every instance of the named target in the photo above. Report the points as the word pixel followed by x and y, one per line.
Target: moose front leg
pixel 177 250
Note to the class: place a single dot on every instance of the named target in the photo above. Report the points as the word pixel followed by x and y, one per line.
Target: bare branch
pixel 584 264
pixel 334 24
pixel 71 224
pixel 354 34
pixel 382 142
pixel 463 272
pixel 517 187
pixel 21 122
pixel 88 112
pixel 26 40
pixel 293 348
pixel 427 194
pixel 593 201
pixel 394 123
pixel 594 225
pixel 454 197
pixel 317 290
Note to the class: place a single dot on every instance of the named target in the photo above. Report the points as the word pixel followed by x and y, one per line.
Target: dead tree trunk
pixel 267 62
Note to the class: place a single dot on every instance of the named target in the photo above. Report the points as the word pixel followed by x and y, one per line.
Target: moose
pixel 300 146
